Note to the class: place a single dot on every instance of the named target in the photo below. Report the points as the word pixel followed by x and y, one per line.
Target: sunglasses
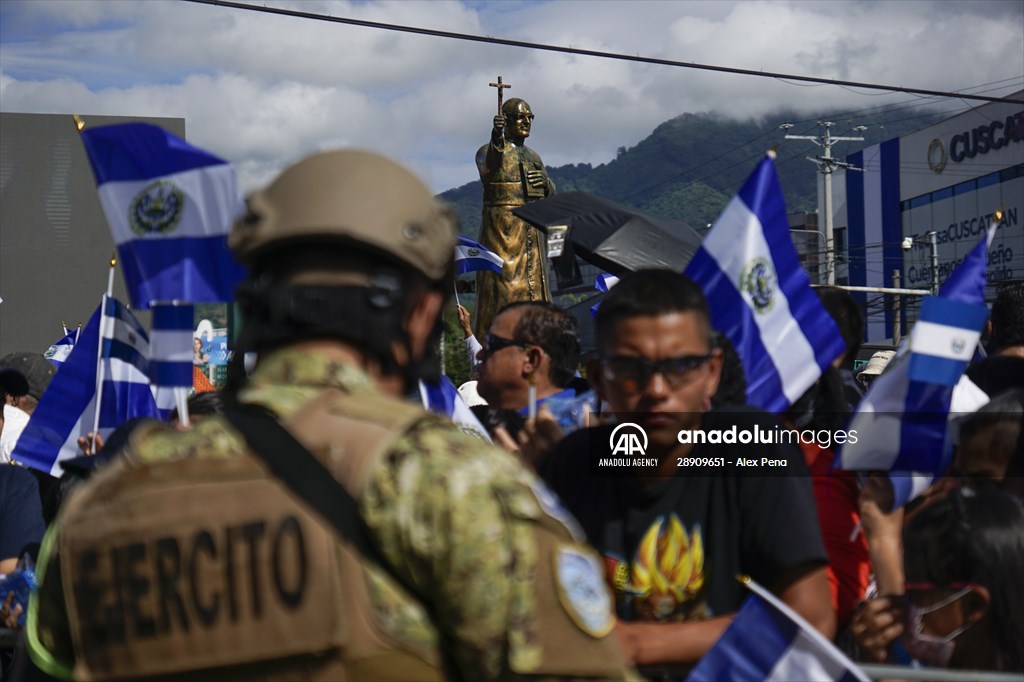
pixel 492 344
pixel 633 373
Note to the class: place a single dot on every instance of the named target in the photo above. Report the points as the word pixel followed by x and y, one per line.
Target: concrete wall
pixel 55 245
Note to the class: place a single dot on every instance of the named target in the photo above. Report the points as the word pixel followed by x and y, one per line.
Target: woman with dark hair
pixel 964 609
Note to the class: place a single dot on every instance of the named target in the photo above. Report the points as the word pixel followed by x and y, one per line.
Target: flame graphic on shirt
pixel 668 569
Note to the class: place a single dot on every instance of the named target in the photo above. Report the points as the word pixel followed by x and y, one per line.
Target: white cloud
pixel 263 90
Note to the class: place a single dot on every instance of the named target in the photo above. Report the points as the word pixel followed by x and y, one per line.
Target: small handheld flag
pixel 58 353
pixel 471 256
pixel 905 416
pixel 71 405
pixel 767 640
pixel 604 282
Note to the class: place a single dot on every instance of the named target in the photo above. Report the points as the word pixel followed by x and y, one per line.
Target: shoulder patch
pixel 581 589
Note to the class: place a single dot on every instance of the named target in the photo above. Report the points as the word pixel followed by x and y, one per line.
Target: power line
pixel 918 103
pixel 593 53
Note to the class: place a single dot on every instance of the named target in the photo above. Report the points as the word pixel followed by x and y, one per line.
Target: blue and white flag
pixel 605 282
pixel 761 298
pixel 170 366
pixel 903 424
pixel 58 353
pixel 767 640
pixel 170 206
pixel 112 353
pixel 471 256
pixel 967 398
pixel 443 398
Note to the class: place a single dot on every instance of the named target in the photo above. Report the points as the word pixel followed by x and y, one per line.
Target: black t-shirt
pixel 21 515
pixel 673 546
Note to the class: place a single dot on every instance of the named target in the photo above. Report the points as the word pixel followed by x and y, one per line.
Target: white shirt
pixel 15 420
pixel 473 347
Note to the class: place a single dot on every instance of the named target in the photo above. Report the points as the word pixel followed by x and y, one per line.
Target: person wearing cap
pixel 13 420
pixel 324 528
pixel 876 365
pixel 37 371
pixel 24 378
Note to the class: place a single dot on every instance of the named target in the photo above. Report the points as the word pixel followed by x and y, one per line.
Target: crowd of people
pixel 313 522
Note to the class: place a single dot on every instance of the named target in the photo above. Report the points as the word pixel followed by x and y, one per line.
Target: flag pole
pixel 110 275
pixel 455 285
pixel 444 332
pixel 100 366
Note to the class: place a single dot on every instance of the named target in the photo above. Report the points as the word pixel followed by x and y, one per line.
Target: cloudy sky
pixel 264 90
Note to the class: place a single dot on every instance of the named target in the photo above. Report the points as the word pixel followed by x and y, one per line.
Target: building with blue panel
pixel 948 178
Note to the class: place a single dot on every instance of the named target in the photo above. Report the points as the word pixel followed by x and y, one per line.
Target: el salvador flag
pixel 170 366
pixel 903 423
pixel 761 298
pixel 471 256
pixel 769 641
pixel 58 353
pixel 170 206
pixel 69 406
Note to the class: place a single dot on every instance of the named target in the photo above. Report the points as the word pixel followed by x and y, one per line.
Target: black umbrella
pixel 616 238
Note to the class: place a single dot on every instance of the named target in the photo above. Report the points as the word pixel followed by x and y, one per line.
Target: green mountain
pixel 691 166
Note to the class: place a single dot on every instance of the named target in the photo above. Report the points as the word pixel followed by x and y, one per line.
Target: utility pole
pixel 826 166
pixel 933 237
pixel 896 326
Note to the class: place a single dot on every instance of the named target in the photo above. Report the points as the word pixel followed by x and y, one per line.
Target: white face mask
pixel 929 649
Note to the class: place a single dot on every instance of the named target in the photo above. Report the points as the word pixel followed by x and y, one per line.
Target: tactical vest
pixel 194 566
pixel 188 566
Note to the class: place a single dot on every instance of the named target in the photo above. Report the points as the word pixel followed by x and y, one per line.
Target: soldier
pixel 220 552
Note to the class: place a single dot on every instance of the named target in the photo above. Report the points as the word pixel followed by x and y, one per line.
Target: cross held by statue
pixel 501 86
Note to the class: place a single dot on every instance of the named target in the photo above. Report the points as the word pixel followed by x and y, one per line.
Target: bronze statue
pixel 512 174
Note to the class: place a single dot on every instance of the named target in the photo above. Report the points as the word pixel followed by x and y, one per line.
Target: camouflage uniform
pixel 461 521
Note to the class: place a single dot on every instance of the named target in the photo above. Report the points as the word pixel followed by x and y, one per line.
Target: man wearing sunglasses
pixel 675 537
pixel 528 343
